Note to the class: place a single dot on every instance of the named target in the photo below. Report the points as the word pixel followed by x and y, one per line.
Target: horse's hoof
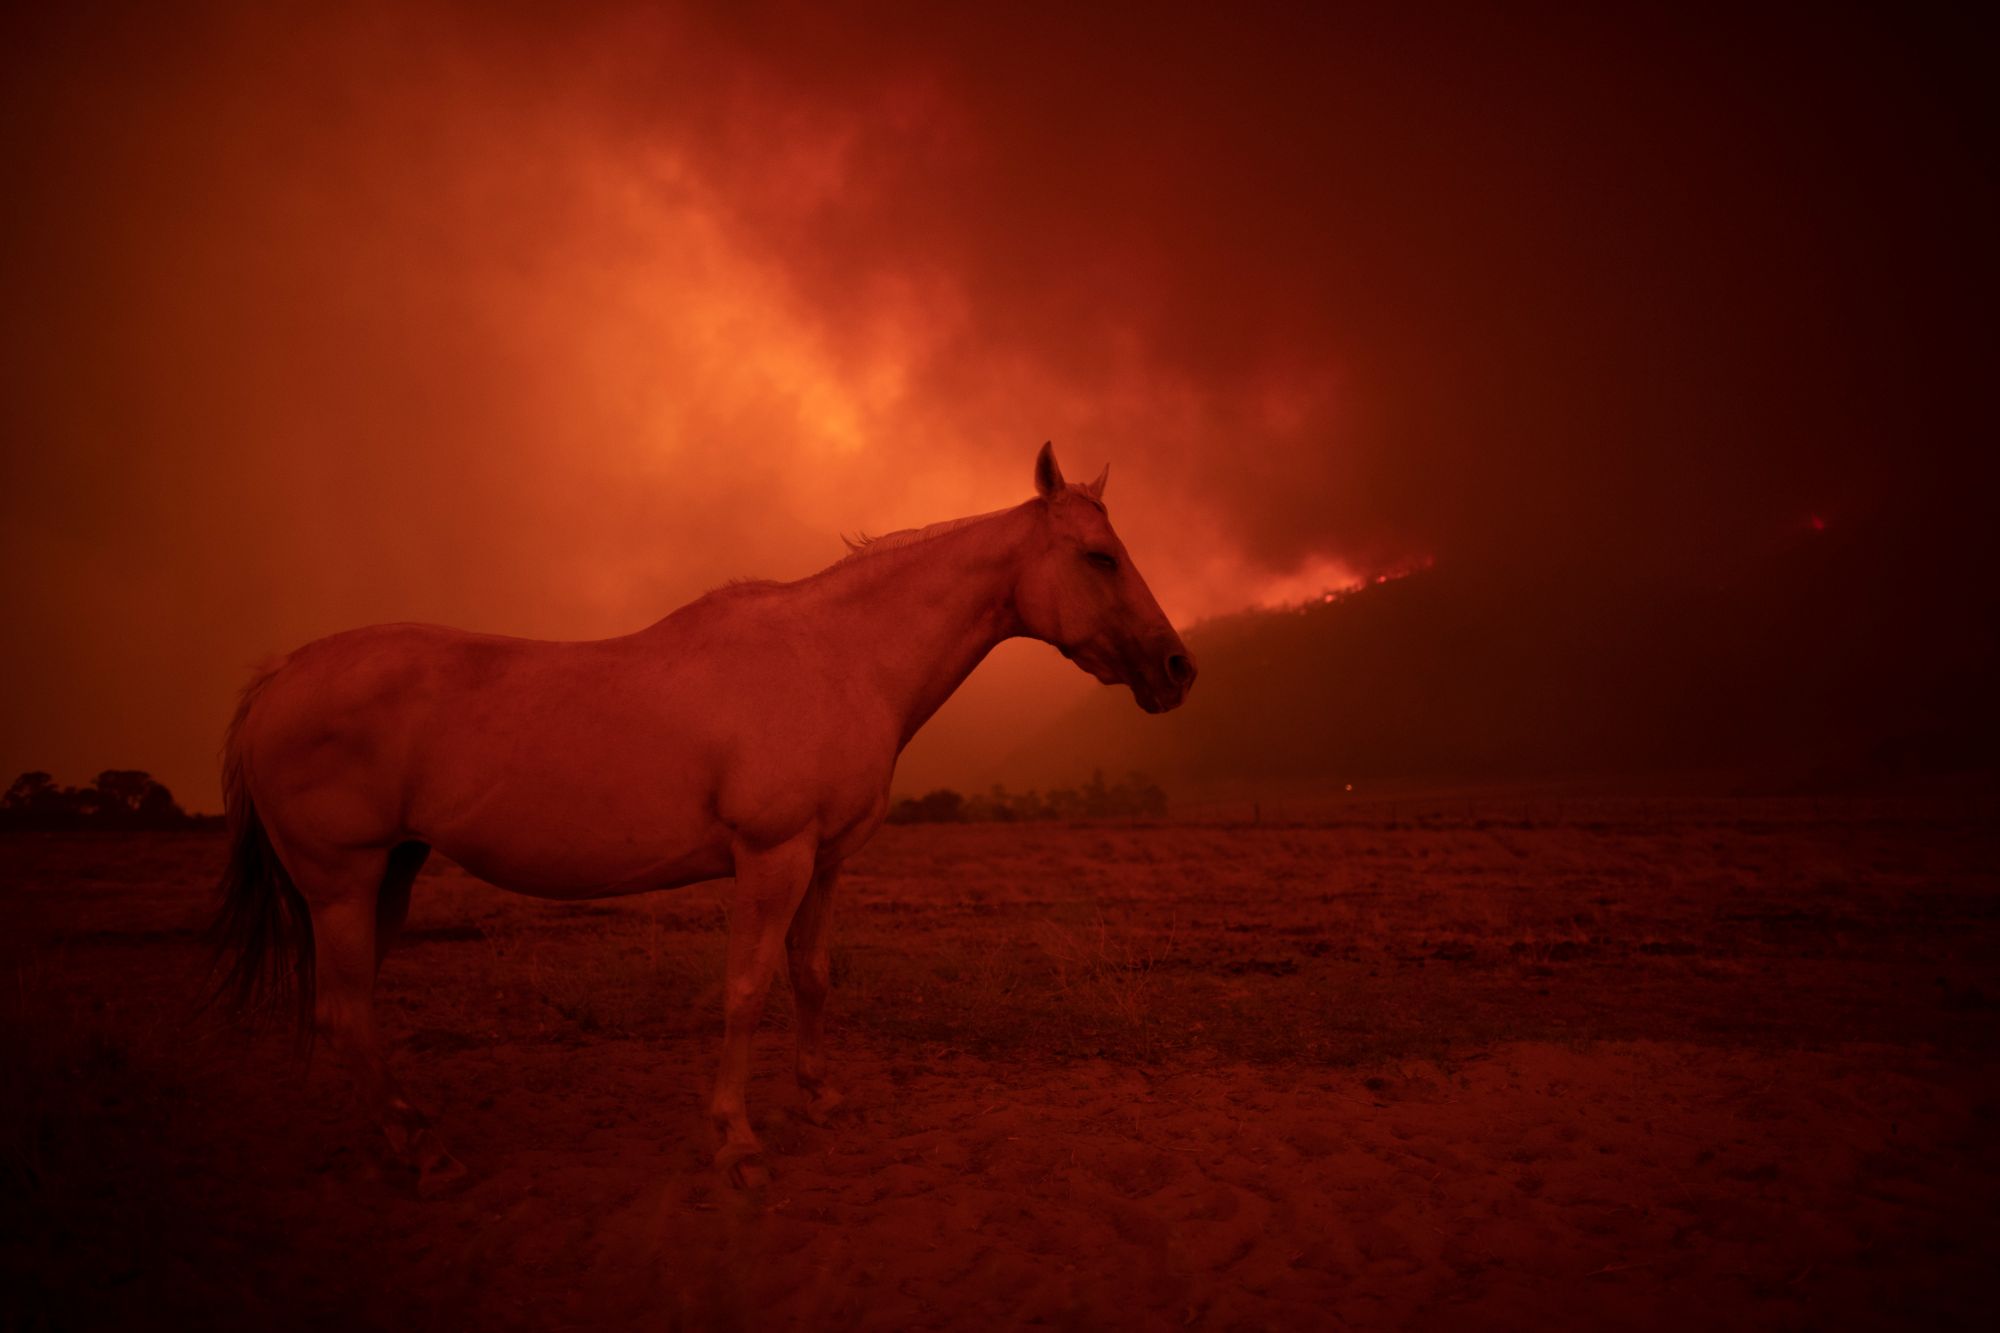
pixel 822 1102
pixel 443 1174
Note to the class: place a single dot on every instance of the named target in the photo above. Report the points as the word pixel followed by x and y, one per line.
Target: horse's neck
pixel 919 619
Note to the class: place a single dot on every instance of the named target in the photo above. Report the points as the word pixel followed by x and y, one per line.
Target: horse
pixel 752 733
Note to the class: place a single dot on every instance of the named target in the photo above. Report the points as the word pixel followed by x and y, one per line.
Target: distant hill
pixel 1792 669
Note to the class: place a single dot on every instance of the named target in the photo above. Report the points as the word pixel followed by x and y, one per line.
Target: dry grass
pixel 1367 966
pixel 1337 943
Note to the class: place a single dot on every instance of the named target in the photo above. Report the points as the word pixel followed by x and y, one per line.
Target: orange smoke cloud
pixel 545 324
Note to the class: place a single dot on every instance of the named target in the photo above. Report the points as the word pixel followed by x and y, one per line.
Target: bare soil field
pixel 1498 1065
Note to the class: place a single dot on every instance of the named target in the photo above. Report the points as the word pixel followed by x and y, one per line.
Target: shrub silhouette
pixel 1134 796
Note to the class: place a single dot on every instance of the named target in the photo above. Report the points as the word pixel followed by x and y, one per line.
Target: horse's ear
pixel 1048 477
pixel 1096 488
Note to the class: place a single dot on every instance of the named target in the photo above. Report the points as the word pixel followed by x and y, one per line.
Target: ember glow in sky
pixel 545 323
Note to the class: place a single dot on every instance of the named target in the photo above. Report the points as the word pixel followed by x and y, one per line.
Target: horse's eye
pixel 1103 560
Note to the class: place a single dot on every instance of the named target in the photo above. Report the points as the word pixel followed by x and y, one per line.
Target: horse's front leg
pixel 806 944
pixel 770 881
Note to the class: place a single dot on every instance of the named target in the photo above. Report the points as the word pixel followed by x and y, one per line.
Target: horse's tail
pixel 263 920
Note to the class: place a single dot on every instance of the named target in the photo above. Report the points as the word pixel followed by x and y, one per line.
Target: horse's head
pixel 1080 591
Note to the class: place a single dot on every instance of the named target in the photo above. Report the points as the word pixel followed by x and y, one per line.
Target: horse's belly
pixel 579 840
pixel 544 863
pixel 540 876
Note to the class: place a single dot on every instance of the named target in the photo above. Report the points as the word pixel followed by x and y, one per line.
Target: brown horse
pixel 753 732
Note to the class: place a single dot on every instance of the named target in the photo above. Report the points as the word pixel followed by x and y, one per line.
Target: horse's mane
pixel 861 546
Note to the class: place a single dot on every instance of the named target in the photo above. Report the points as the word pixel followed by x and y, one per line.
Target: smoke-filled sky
pixel 545 322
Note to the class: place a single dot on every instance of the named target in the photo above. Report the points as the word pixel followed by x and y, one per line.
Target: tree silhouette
pixel 131 794
pixel 118 798
pixel 33 793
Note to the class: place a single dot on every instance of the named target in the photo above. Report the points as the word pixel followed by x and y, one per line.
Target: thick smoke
pixel 544 325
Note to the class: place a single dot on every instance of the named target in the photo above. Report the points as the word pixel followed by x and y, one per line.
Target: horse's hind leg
pixel 392 905
pixel 346 894
pixel 416 1141
pixel 806 944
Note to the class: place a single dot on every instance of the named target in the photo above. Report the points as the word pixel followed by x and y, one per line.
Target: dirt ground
pixel 1498 1064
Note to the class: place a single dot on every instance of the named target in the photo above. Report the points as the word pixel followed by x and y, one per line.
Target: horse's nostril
pixel 1180 669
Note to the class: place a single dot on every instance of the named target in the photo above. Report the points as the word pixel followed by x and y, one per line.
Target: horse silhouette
pixel 752 733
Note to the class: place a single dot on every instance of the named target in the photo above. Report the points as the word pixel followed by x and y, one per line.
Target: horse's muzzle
pixel 1166 686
